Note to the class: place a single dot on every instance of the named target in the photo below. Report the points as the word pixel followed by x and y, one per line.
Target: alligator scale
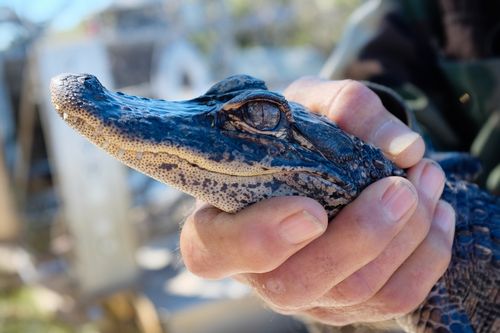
pixel 240 143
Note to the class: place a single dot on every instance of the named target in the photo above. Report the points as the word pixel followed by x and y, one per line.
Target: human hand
pixel 378 258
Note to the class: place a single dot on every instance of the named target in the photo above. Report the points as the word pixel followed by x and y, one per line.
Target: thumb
pixel 215 244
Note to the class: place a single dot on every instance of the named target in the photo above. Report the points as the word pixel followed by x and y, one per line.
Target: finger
pixel 428 178
pixel 411 283
pixel 216 244
pixel 355 237
pixel 359 111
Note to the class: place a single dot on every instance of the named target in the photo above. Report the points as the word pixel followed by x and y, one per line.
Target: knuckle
pixel 354 88
pixel 352 102
pixel 355 92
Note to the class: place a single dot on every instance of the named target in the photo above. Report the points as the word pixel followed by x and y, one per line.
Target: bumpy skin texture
pixel 240 143
pixel 467 297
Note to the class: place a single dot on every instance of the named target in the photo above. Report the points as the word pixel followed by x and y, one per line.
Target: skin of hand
pixel 376 260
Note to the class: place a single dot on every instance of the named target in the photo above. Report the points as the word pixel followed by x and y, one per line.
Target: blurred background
pixel 86 244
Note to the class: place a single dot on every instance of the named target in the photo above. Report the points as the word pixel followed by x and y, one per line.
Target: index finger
pixel 359 111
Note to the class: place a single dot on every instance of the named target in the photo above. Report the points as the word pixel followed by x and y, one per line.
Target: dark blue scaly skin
pixel 240 143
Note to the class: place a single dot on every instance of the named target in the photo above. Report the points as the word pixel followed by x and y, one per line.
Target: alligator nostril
pixel 83 78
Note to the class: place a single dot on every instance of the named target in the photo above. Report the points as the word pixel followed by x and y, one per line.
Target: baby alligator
pixel 240 143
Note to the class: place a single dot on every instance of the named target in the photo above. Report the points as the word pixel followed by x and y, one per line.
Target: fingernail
pixel 394 136
pixel 431 180
pixel 300 227
pixel 444 217
pixel 398 199
pixel 402 142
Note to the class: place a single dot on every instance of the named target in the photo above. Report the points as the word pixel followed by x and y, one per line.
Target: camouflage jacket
pixel 443 58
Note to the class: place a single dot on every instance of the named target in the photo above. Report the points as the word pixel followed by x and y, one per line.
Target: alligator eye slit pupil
pixel 263 116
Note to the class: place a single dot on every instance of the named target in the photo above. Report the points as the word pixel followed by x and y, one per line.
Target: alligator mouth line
pixel 98 136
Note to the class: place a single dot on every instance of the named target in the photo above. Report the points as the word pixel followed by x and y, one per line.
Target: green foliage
pixel 317 23
pixel 281 23
pixel 19 313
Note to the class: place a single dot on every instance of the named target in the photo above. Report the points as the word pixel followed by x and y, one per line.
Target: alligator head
pixel 235 145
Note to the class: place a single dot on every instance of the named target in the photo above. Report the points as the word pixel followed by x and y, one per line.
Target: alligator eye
pixel 263 116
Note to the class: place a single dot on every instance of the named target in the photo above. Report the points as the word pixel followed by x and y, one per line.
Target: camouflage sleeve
pixel 410 46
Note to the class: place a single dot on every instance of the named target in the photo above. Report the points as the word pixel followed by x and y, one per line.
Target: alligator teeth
pixel 65 116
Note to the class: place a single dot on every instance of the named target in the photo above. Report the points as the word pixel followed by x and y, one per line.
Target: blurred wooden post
pixel 92 185
pixel 9 224
pixel 26 127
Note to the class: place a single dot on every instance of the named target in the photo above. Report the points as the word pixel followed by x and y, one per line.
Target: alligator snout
pixel 71 90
